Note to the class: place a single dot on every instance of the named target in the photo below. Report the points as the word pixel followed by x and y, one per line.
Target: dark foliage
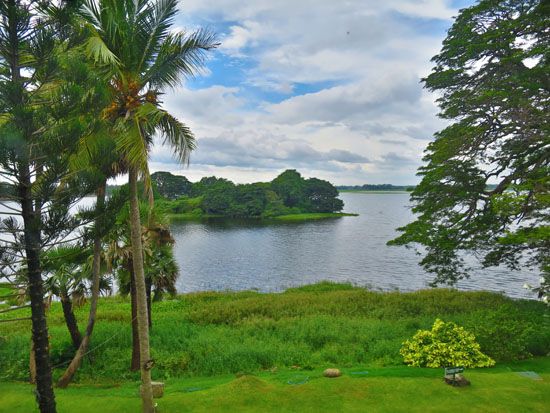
pixel 289 193
pixel 492 76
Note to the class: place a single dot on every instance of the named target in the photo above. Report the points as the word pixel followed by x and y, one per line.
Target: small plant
pixel 445 345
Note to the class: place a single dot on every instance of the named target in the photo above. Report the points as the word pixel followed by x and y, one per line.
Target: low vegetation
pixel 312 327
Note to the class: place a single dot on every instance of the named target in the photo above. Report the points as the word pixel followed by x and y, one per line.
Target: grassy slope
pixel 381 390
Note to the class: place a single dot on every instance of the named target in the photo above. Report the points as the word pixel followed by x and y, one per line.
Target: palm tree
pixel 132 41
pixel 161 269
pixel 97 159
pixel 68 277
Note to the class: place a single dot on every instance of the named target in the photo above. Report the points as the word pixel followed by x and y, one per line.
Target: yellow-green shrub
pixel 445 345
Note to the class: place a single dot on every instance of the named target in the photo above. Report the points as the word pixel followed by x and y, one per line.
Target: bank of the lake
pixel 362 191
pixel 313 216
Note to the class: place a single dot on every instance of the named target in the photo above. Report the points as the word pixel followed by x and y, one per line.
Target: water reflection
pixel 247 254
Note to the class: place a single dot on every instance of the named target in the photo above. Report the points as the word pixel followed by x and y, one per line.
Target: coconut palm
pixel 131 40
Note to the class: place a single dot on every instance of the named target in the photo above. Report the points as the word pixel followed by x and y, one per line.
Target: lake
pixel 251 255
pixel 243 254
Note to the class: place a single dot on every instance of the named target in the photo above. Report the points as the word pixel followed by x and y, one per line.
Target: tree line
pixel 376 187
pixel 288 193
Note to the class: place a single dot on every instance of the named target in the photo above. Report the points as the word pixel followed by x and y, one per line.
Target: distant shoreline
pixel 279 218
pixel 367 191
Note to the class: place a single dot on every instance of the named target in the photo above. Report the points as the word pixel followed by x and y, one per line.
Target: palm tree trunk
pixel 148 287
pixel 141 296
pixel 96 265
pixel 70 320
pixel 134 366
pixel 44 387
pixel 32 366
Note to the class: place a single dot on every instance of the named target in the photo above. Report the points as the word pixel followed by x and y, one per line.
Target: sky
pixel 329 88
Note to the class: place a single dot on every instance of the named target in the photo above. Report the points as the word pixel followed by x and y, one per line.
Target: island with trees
pixel 288 197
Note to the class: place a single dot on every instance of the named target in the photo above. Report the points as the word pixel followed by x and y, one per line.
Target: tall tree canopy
pixel 492 79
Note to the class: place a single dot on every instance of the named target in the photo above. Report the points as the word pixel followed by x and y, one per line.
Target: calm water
pixel 229 255
pixel 240 255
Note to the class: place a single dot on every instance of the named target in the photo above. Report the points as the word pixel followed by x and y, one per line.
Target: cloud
pixel 331 88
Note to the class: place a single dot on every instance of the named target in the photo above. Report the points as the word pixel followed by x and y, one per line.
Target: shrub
pixel 445 345
pixel 503 334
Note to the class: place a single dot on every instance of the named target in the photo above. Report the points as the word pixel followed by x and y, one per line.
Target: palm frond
pixel 175 133
pixel 155 23
pixel 178 135
pixel 180 56
pixel 131 143
pixel 100 53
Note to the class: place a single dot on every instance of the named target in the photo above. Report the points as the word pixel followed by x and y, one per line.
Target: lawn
pixel 397 389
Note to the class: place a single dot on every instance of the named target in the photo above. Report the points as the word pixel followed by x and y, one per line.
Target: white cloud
pixel 368 120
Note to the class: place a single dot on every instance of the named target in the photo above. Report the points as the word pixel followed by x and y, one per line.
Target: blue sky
pixel 331 89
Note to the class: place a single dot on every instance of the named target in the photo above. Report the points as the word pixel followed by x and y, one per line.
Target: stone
pixel 458 380
pixel 332 373
pixel 158 389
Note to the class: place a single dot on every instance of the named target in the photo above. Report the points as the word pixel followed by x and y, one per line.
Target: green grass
pixel 316 326
pixel 312 216
pixel 5 291
pixel 398 389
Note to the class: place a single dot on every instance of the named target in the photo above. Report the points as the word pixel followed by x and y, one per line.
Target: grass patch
pixel 311 327
pixel 399 389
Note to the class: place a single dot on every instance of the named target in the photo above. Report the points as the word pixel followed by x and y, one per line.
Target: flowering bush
pixel 445 345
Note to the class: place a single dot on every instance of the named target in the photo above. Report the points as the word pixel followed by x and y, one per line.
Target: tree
pixel 132 41
pixel 161 270
pixel 290 187
pixel 39 121
pixel 170 186
pixel 492 76
pixel 322 196
pixel 68 273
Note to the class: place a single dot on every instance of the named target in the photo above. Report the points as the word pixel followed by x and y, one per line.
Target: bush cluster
pixel 445 345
